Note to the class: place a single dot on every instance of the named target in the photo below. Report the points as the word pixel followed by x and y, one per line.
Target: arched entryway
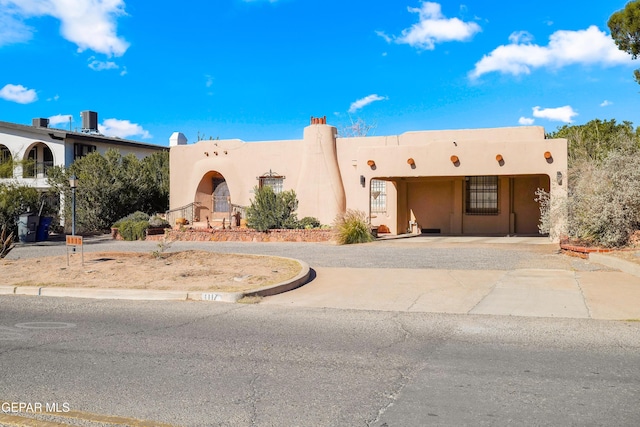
pixel 6 162
pixel 213 199
pixel 38 160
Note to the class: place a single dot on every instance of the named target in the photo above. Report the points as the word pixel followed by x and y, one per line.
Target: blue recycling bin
pixel 42 232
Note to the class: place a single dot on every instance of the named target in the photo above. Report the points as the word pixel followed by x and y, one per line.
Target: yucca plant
pixel 6 242
pixel 351 227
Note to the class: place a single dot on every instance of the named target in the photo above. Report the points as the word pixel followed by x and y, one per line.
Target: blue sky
pixel 257 70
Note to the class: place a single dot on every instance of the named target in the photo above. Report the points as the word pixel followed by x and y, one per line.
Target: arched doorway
pixel 212 199
pixel 6 162
pixel 37 161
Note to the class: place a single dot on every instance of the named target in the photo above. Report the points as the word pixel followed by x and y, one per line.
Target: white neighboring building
pixel 39 147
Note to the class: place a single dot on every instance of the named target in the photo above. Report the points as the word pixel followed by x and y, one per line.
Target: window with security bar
pixel 481 195
pixel 378 196
pixel 273 180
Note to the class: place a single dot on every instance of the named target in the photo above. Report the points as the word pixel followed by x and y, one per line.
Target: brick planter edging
pixel 246 235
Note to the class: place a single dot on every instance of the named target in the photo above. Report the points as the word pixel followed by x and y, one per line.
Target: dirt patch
pixel 180 271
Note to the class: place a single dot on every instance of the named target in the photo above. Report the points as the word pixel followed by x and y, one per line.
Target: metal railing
pixel 187 212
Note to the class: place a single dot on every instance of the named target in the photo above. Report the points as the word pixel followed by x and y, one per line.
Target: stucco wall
pixel 327 182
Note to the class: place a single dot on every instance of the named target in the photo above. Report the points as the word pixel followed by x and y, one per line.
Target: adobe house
pixel 450 182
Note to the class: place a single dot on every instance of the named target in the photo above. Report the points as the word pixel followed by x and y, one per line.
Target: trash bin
pixel 42 232
pixel 27 226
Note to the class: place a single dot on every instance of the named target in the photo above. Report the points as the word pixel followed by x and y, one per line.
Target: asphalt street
pixel 200 364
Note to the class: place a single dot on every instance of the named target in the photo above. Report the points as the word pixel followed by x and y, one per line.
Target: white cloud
pixel 363 102
pixel 88 24
pixel 54 98
pixel 59 119
pixel 97 65
pixel 433 27
pixel 561 114
pixel 606 103
pixel 18 93
pixel 208 80
pixel 590 46
pixel 12 30
pixel 526 121
pixel 122 129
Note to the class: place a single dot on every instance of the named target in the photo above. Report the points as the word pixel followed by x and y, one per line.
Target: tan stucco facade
pixel 426 173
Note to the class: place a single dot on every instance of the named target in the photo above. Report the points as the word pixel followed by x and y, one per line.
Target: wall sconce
pixel 547 155
pixel 371 163
pixel 411 162
pixel 362 180
pixel 559 177
pixel 455 160
pixel 500 159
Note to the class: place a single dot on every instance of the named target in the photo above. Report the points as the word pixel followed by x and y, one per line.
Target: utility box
pixel 27 227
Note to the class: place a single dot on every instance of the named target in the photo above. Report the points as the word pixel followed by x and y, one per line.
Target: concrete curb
pixel 614 262
pixel 153 295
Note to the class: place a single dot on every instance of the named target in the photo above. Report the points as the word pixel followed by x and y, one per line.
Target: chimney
pixel 319 120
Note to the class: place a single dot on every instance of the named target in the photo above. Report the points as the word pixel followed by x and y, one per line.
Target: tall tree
pixel 594 140
pixel 625 31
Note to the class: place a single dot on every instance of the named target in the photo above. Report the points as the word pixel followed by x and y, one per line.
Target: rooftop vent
pixel 40 123
pixel 89 121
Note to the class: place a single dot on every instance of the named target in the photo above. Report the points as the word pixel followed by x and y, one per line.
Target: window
pixel 6 163
pixel 81 150
pixel 273 180
pixel 481 195
pixel 378 196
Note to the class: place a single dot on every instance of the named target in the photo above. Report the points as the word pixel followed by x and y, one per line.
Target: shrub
pixel 133 226
pixel 604 200
pixel 6 242
pixel 133 217
pixel 309 222
pixel 269 210
pixel 158 222
pixel 351 227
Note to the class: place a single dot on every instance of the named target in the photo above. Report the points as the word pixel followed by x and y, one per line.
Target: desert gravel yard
pixel 189 270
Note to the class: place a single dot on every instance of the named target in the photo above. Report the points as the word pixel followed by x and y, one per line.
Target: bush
pixel 351 227
pixel 157 222
pixel 133 226
pixel 604 200
pixel 14 201
pixel 272 211
pixel 309 222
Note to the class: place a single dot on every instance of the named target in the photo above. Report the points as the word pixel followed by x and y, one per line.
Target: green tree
pixel 111 186
pixel 594 140
pixel 269 210
pixel 625 31
pixel 15 200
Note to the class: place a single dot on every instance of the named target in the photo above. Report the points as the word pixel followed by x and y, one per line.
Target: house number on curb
pixel 210 297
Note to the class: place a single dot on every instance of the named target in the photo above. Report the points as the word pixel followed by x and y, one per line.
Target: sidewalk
pixel 608 295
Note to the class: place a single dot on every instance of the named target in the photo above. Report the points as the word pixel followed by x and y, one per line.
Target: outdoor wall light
pixel 371 163
pixel 547 155
pixel 455 159
pixel 499 158
pixel 410 161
